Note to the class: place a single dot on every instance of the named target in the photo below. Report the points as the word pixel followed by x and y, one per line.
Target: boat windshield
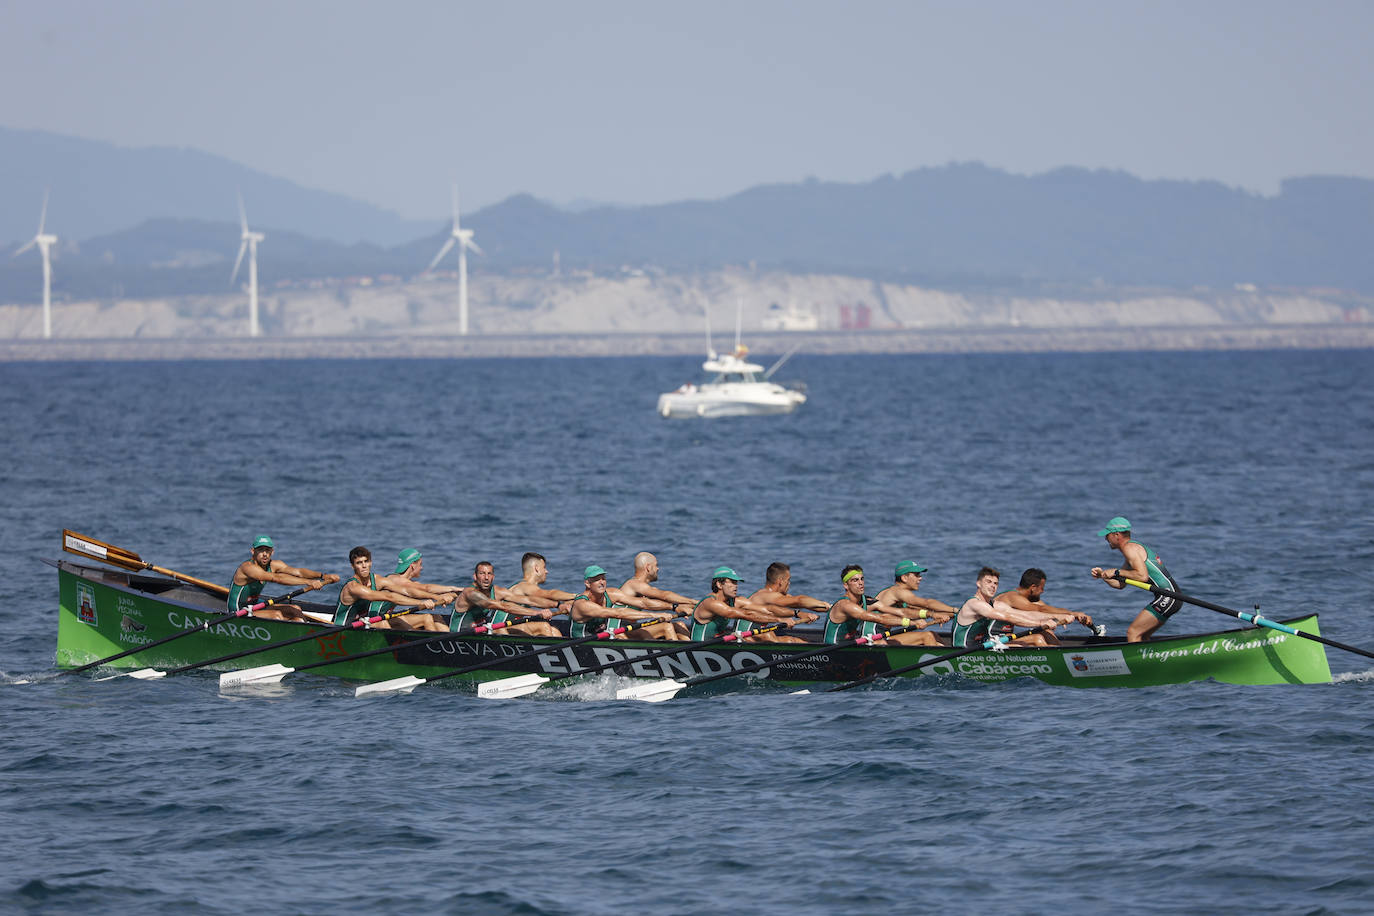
pixel 734 377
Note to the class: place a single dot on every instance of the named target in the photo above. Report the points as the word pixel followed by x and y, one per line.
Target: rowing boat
pixel 104 612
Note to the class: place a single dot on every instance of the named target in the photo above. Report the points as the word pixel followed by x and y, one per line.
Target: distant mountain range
pixel 144 222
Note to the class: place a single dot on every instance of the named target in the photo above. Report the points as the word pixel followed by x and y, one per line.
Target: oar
pixel 1256 619
pixel 146 674
pixel 518 686
pixel 990 643
pixel 408 683
pixel 658 691
pixel 273 673
pixel 119 556
pixel 199 628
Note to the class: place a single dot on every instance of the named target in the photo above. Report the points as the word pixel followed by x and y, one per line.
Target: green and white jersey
pixel 850 629
pixel 718 626
pixel 474 616
pixel 973 634
pixel 239 595
pixel 347 613
pixel 596 624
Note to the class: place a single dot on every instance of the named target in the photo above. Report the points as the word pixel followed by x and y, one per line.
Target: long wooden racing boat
pixel 104 612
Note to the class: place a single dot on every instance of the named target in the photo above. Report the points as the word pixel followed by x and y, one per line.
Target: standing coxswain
pixel 252 574
pixel 1143 565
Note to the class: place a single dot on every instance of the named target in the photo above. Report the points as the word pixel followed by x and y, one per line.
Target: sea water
pixel 1250 473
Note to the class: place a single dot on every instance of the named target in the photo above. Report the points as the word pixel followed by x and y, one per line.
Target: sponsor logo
pixel 234 630
pixel 85 603
pixel 331 645
pixel 937 668
pixel 129 625
pixel 127 605
pixel 1105 663
pixel 1213 646
pixel 687 664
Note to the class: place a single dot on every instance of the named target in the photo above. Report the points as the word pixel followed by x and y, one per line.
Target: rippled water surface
pixel 1251 473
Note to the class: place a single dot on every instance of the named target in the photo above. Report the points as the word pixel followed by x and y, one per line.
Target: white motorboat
pixel 791 318
pixel 735 387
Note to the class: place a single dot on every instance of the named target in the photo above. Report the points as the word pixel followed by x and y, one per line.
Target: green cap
pixel 725 572
pixel 263 540
pixel 591 572
pixel 1116 524
pixel 908 566
pixel 405 558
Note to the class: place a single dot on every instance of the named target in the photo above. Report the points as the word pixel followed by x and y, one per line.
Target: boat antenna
pixel 785 357
pixel 739 317
pixel 710 350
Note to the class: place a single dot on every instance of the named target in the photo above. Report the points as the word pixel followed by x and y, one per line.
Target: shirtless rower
pixel 252 574
pixel 1143 565
pixel 785 607
pixel 980 614
pixel 534 569
pixel 1026 597
pixel 901 594
pixel 599 608
pixel 853 615
pixel 486 602
pixel 724 610
pixel 640 585
pixel 365 595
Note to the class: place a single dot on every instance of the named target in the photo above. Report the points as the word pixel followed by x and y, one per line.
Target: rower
pixel 724 611
pixel 1143 565
pixel 901 594
pixel 599 608
pixel 409 564
pixel 534 569
pixel 252 574
pixel 365 596
pixel 1027 597
pixel 640 585
pixel 974 623
pixel 485 602
pixel 785 607
pixel 853 615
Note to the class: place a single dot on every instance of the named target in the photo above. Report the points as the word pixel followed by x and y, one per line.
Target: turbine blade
pixel 27 245
pixel 43 217
pixel 243 214
pixel 238 262
pixel 455 207
pixel 473 245
pixel 440 256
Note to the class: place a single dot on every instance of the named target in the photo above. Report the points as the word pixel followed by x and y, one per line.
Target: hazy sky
pixel 641 102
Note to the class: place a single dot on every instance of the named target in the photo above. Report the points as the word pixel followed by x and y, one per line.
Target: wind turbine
pixel 463 238
pixel 249 244
pixel 44 242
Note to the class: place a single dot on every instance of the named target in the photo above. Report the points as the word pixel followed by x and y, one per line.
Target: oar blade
pixel 656 692
pixel 395 685
pixel 800 693
pixel 145 674
pixel 266 674
pixel 511 687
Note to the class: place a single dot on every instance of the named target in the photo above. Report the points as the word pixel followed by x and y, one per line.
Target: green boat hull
pixel 105 612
